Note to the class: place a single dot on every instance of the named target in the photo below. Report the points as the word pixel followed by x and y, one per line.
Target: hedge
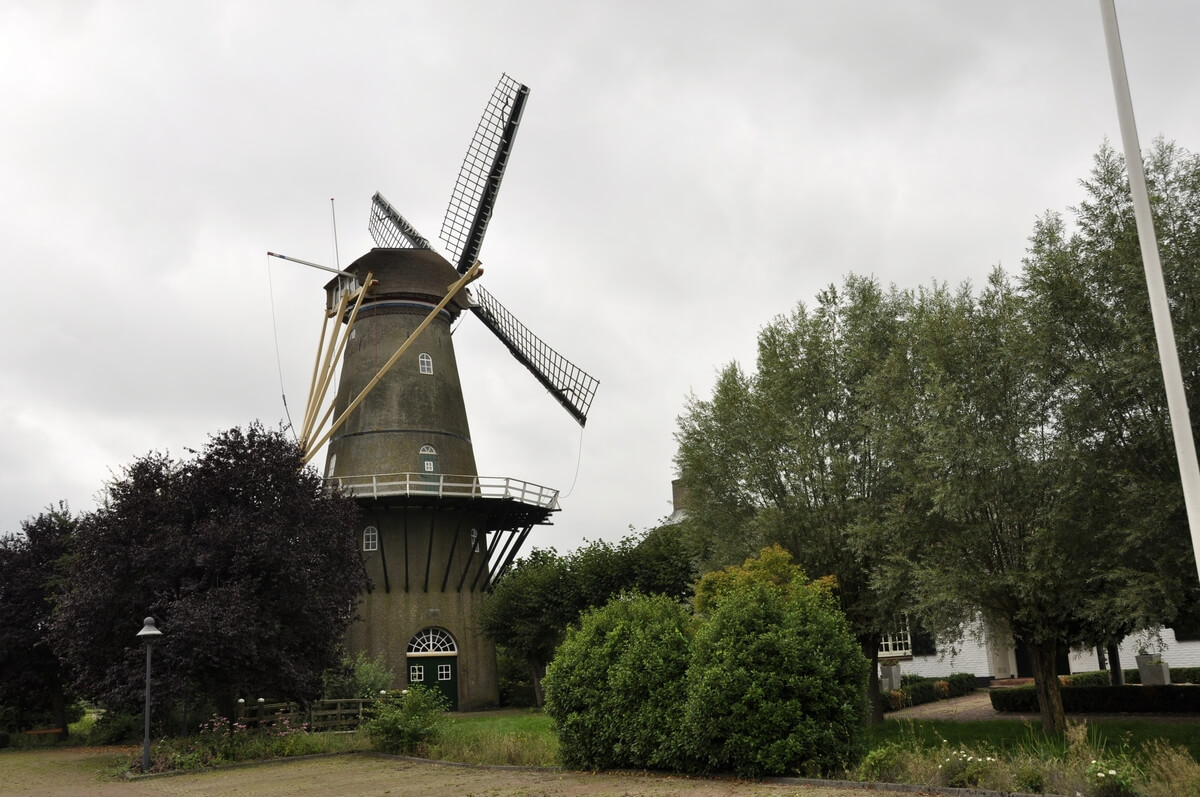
pixel 917 689
pixel 1173 699
pixel 1179 675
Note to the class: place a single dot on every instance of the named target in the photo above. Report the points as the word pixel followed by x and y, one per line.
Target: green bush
pixel 114 727
pixel 776 684
pixel 881 765
pixel 1097 678
pixel 616 686
pixel 1105 699
pixel 405 722
pixel 917 689
pixel 962 683
pixel 357 677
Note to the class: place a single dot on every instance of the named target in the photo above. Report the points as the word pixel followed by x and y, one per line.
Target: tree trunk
pixel 1116 676
pixel 537 670
pixel 870 649
pixel 58 708
pixel 1042 656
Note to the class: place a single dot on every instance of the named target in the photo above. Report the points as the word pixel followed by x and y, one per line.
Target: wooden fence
pixel 320 715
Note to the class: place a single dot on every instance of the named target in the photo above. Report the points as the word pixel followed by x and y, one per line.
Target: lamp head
pixel 149 631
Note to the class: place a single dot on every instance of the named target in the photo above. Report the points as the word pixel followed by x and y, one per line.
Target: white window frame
pixel 416 673
pixel 425 363
pixel 443 672
pixel 370 539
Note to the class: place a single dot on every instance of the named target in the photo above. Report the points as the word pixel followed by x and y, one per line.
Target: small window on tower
pixel 426 363
pixel 370 539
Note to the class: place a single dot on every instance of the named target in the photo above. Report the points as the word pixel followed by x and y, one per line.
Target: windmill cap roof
pixel 414 273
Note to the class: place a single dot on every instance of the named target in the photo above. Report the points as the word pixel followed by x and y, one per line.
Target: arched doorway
pixel 433 662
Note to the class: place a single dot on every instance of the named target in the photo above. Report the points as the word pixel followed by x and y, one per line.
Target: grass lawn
pixel 518 737
pixel 1007 735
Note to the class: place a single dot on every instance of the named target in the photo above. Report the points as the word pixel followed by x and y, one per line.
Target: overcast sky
pixel 685 172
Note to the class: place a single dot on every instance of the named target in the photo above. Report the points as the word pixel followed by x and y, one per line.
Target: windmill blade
pixel 390 229
pixel 566 382
pixel 478 182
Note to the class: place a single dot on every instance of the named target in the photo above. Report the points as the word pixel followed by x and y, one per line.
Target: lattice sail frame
pixel 478 182
pixel 466 220
pixel 390 229
pixel 571 385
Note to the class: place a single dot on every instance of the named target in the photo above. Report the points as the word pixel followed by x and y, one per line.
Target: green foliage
pixel 616 687
pixel 221 741
pixel 33 681
pixel 407 721
pixel 514 679
pixel 1112 778
pixel 1097 678
pixel 530 608
pixel 249 564
pixel 357 677
pixel 881 764
pixel 115 727
pixel 1130 699
pixel 917 689
pixel 776 683
pixel 771 683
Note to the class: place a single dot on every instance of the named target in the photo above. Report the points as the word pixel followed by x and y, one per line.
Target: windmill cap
pixel 409 274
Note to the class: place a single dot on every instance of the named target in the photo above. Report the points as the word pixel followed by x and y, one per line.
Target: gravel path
pixel 73 772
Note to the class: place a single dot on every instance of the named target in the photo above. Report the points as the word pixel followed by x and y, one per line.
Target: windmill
pixel 435 533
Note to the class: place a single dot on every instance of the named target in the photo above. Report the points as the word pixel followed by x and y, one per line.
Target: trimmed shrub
pixel 918 689
pixel 776 684
pixel 405 722
pixel 616 687
pixel 1105 699
pixel 1097 678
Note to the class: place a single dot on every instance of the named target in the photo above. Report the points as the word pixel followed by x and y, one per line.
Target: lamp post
pixel 148 633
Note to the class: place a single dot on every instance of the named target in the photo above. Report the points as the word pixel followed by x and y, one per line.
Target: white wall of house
pixel 992 656
pixel 1174 653
pixel 973 654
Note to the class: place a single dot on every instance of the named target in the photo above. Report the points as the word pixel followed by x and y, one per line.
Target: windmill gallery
pixel 435 534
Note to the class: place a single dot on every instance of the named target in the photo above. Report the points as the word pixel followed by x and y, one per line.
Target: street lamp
pixel 148 633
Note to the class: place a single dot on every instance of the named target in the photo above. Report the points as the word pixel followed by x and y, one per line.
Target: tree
pixel 32 679
pixel 248 563
pixel 988 467
pixel 1088 305
pixel 799 453
pixel 530 608
pixel 528 611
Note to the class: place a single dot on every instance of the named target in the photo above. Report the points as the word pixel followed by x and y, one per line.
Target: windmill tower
pixel 435 533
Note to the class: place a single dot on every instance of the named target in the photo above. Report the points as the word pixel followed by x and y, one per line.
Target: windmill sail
pixel 474 193
pixel 390 229
pixel 566 382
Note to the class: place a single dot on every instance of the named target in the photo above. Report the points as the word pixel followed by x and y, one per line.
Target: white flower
pixel 1112 772
pixel 1099 774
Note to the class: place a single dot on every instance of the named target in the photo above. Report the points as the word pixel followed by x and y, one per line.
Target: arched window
pixel 370 539
pixel 426 363
pixel 432 640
